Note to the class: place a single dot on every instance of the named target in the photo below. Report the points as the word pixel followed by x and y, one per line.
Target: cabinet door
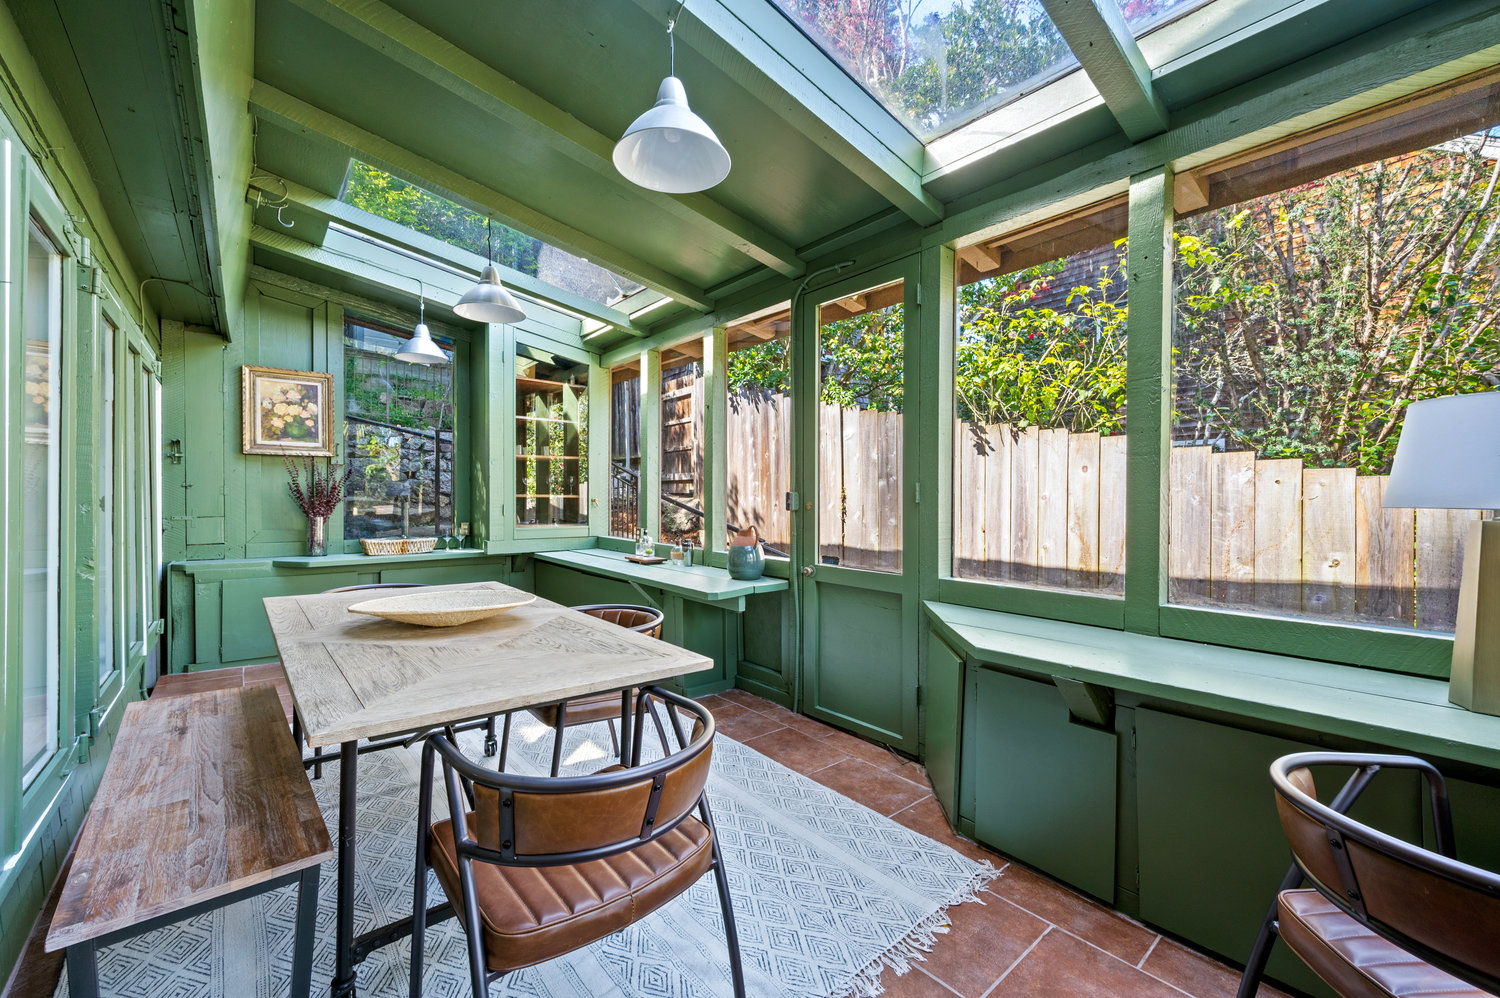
pixel 1045 786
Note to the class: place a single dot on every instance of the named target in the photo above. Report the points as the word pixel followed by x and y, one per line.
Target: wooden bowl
pixel 445 608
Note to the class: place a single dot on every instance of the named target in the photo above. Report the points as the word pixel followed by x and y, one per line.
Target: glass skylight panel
pixel 379 193
pixel 1144 15
pixel 936 64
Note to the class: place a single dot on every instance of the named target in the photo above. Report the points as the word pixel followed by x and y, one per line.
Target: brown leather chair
pixel 1382 918
pixel 537 867
pixel 599 707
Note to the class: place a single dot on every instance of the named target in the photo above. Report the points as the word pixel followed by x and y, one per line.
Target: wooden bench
pixel 204 802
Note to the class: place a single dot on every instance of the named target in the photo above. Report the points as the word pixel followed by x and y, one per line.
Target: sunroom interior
pixel 1000 698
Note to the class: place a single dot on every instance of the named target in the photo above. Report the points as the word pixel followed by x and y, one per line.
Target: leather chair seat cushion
pixel 533 914
pixel 584 710
pixel 1354 960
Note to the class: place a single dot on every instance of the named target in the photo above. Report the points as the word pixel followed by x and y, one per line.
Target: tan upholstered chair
pixel 1382 918
pixel 599 707
pixel 537 867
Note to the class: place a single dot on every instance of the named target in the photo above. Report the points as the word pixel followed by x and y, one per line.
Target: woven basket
pixel 398 545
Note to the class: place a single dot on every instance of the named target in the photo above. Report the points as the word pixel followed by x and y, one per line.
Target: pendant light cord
pixel 489 239
pixel 672 39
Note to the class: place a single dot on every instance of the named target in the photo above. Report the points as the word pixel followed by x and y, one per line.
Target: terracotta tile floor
pixel 1032 938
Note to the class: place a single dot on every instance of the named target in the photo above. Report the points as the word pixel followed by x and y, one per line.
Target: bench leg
pixel 307 924
pixel 83 970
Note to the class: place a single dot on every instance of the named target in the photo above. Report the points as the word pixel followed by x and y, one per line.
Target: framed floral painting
pixel 287 412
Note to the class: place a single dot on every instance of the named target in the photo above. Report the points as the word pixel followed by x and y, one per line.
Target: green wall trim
pixel 1420 653
pixel 1080 608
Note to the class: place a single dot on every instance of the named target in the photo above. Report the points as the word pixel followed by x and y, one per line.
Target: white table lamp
pixel 1448 457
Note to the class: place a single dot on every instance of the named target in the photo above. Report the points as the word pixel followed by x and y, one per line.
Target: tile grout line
pixel 1127 963
pixel 1149 951
pixel 1016 962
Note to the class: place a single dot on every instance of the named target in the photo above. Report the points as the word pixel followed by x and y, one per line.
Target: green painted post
pixel 715 437
pixel 649 493
pixel 599 435
pixel 1148 397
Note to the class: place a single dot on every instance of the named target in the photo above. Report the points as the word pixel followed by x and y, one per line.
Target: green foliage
pixel 860 362
pixel 1026 363
pixel 1308 319
pixel 381 194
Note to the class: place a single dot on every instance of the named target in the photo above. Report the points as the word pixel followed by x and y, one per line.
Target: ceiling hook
pixel 279 210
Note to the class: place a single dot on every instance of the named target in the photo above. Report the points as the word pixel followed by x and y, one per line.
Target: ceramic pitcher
pixel 747 558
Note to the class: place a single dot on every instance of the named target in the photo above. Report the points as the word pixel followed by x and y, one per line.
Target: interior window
pixel 552 439
pixel 682 444
pixel 760 427
pixel 399 437
pixel 625 451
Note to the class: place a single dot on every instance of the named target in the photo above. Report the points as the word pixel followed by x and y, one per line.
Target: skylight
pixel 936 64
pixel 1145 15
pixel 379 193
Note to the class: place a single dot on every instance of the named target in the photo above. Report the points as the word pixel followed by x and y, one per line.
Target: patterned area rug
pixel 827 895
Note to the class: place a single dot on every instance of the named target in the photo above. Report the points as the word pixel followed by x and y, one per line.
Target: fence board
pixel 1112 513
pixel 1232 527
pixel 1083 509
pixel 1188 524
pixel 1441 536
pixel 1328 541
pixel 890 510
pixel 1384 554
pixel 1278 534
pixel 997 493
pixel 969 502
pixel 1024 498
pixel 1052 506
pixel 830 484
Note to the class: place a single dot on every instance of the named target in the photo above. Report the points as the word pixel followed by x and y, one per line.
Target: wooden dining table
pixel 357 678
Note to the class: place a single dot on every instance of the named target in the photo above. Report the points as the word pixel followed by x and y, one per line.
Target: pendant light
pixel 420 349
pixel 669 148
pixel 488 301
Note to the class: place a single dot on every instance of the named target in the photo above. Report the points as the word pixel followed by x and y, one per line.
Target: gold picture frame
pixel 286 412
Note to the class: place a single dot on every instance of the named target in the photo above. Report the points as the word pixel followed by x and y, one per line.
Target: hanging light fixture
pixel 420 349
pixel 669 148
pixel 488 301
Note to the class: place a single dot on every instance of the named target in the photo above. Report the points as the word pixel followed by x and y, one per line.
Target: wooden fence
pixel 1047 507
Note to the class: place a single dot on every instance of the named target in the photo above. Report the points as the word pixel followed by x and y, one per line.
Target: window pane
pixel 398 434
pixel 40 423
pixel 1306 320
pixel 1039 405
pixel 625 451
pixel 861 340
pixel 936 66
pixel 682 444
pixel 104 553
pixel 552 441
pixel 760 427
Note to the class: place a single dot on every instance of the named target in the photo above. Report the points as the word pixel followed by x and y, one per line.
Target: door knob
pixel 807 570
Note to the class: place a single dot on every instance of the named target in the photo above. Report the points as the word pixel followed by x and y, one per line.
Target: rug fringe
pixel 921 939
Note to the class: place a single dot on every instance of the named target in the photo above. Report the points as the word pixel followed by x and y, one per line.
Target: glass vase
pixel 317 536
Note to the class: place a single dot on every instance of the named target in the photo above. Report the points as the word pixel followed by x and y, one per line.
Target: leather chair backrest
pixel 613 810
pixel 1440 904
pixel 642 619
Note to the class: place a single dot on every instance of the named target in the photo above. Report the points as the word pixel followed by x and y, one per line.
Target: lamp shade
pixel 488 301
pixel 420 349
pixel 669 148
pixel 1448 456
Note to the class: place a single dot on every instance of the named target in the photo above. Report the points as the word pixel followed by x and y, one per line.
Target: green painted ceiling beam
pixel 282 109
pixel 436 59
pixel 271 189
pixel 1100 38
pixel 762 51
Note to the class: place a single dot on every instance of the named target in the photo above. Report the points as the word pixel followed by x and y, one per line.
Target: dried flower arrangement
pixel 324 489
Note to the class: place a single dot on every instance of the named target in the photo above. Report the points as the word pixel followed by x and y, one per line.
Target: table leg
pixel 344 976
pixel 626 727
pixel 83 970
pixel 307 925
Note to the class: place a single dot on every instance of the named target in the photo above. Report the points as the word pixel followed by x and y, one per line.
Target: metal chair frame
pixel 460 775
pixel 561 725
pixel 1340 828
